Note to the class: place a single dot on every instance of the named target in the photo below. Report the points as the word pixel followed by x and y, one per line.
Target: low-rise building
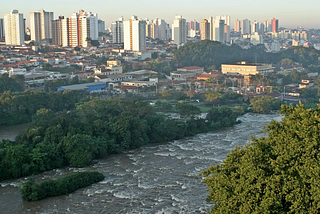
pixel 86 86
pixel 112 78
pixel 245 68
pixel 195 69
pixel 139 83
pixel 182 75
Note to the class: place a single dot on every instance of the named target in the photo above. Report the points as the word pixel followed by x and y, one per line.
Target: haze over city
pixel 290 13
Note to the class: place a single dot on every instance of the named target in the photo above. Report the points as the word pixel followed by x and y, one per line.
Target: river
pixel 161 178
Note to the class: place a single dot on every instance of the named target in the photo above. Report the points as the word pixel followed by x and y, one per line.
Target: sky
pixel 291 13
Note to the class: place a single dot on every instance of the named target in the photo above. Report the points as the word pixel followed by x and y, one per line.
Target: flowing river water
pixel 158 178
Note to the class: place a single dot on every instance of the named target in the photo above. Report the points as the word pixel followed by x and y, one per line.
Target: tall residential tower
pixel 41 26
pixel 179 31
pixel 134 31
pixel 14 28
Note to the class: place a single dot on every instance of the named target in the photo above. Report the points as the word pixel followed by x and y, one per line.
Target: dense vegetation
pixel 20 107
pixel 12 84
pixel 264 104
pixel 93 130
pixel 32 192
pixel 274 174
pixel 209 53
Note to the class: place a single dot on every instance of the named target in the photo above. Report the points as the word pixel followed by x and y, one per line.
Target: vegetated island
pixel 33 192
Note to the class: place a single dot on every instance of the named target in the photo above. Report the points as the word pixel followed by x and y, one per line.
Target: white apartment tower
pixel 179 31
pixel 117 31
pixel 41 25
pixel 14 28
pixel 134 31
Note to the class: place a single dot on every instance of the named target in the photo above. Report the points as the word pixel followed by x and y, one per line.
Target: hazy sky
pixel 291 13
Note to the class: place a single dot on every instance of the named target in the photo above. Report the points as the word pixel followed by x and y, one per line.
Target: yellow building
pixel 245 68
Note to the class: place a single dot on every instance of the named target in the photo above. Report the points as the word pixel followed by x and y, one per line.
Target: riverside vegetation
pixel 94 130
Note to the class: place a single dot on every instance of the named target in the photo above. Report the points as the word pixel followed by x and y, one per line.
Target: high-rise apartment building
pixel 193 25
pixel 262 29
pixel 237 25
pixel 161 28
pixel 41 26
pixel 275 25
pixel 78 30
pixel 268 25
pixel 117 31
pixel 57 31
pixel 134 31
pixel 245 26
pixel 1 29
pixel 14 28
pixel 225 28
pixel 179 32
pixel 101 26
pixel 254 27
pixel 205 30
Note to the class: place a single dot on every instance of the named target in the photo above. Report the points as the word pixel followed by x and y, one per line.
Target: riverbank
pixel 155 178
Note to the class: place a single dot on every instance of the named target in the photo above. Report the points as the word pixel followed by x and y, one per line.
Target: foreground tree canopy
pixel 275 174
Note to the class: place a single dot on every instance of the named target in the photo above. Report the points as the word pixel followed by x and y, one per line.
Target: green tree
pixel 264 104
pixel 212 96
pixel 187 110
pixel 274 174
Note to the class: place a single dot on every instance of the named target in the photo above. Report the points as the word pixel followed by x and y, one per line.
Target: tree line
pixel 20 107
pixel 210 53
pixel 94 130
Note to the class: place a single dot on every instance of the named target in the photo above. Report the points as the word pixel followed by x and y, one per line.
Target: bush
pixel 32 192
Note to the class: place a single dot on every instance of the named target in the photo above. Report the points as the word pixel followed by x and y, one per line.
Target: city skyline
pixel 290 13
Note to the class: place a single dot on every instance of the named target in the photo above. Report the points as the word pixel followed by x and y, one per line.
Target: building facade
pixel 1 29
pixel 41 26
pixel 117 31
pixel 134 31
pixel 245 68
pixel 14 28
pixel 204 29
pixel 275 25
pixel 245 26
pixel 179 31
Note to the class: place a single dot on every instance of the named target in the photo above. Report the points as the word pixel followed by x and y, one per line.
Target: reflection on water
pixel 162 178
pixel 10 132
